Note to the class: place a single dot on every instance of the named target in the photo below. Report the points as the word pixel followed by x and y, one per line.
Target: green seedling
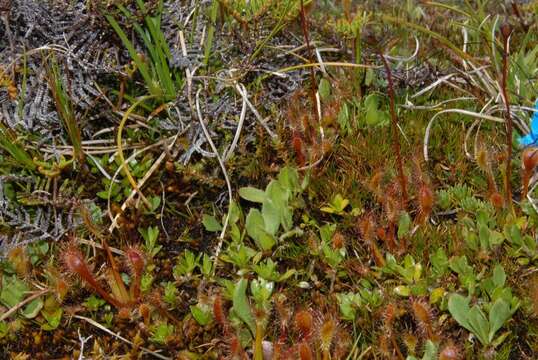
pixel 37 252
pixel 522 246
pixel 170 295
pixel 331 254
pixel 13 291
pixel 241 306
pixel 267 270
pixel 202 313
pixel 410 272
pixel 404 225
pixel 162 332
pixel 93 303
pixel 206 268
pixel 371 296
pixel 186 265
pixel 439 262
pixel 211 223
pixel 53 319
pixel 254 317
pixel 150 236
pixel 474 319
pixel 466 275
pixel 146 282
pixel 374 116
pixel 278 200
pixel 239 255
pixel 482 234
pixel 349 304
pixel 336 206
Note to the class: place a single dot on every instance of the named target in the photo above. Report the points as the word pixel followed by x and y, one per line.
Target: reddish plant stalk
pixel 75 262
pixel 522 22
pixel 395 137
pixel 114 273
pixel 136 262
pixel 505 31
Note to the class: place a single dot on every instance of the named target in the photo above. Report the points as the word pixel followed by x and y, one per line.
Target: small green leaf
pixel 254 223
pixel 13 291
pixel 32 309
pixel 241 306
pixel 499 276
pixel 430 351
pixel 235 212
pixel 402 290
pixel 498 314
pixel 288 178
pixel 439 262
pixel 436 295
pixel 93 303
pixel 271 216
pixel 201 315
pixel 252 194
pixel 458 306
pixel 211 223
pixel 287 275
pixel 161 333
pixel 372 112
pixel 324 89
pixel 479 324
pixel 256 230
pixel 53 318
pixel 404 224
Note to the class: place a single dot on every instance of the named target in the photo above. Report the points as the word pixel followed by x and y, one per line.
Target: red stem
pixel 508 184
pixel 395 137
pixel 75 263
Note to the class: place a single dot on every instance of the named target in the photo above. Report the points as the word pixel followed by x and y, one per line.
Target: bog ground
pixel 268 179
